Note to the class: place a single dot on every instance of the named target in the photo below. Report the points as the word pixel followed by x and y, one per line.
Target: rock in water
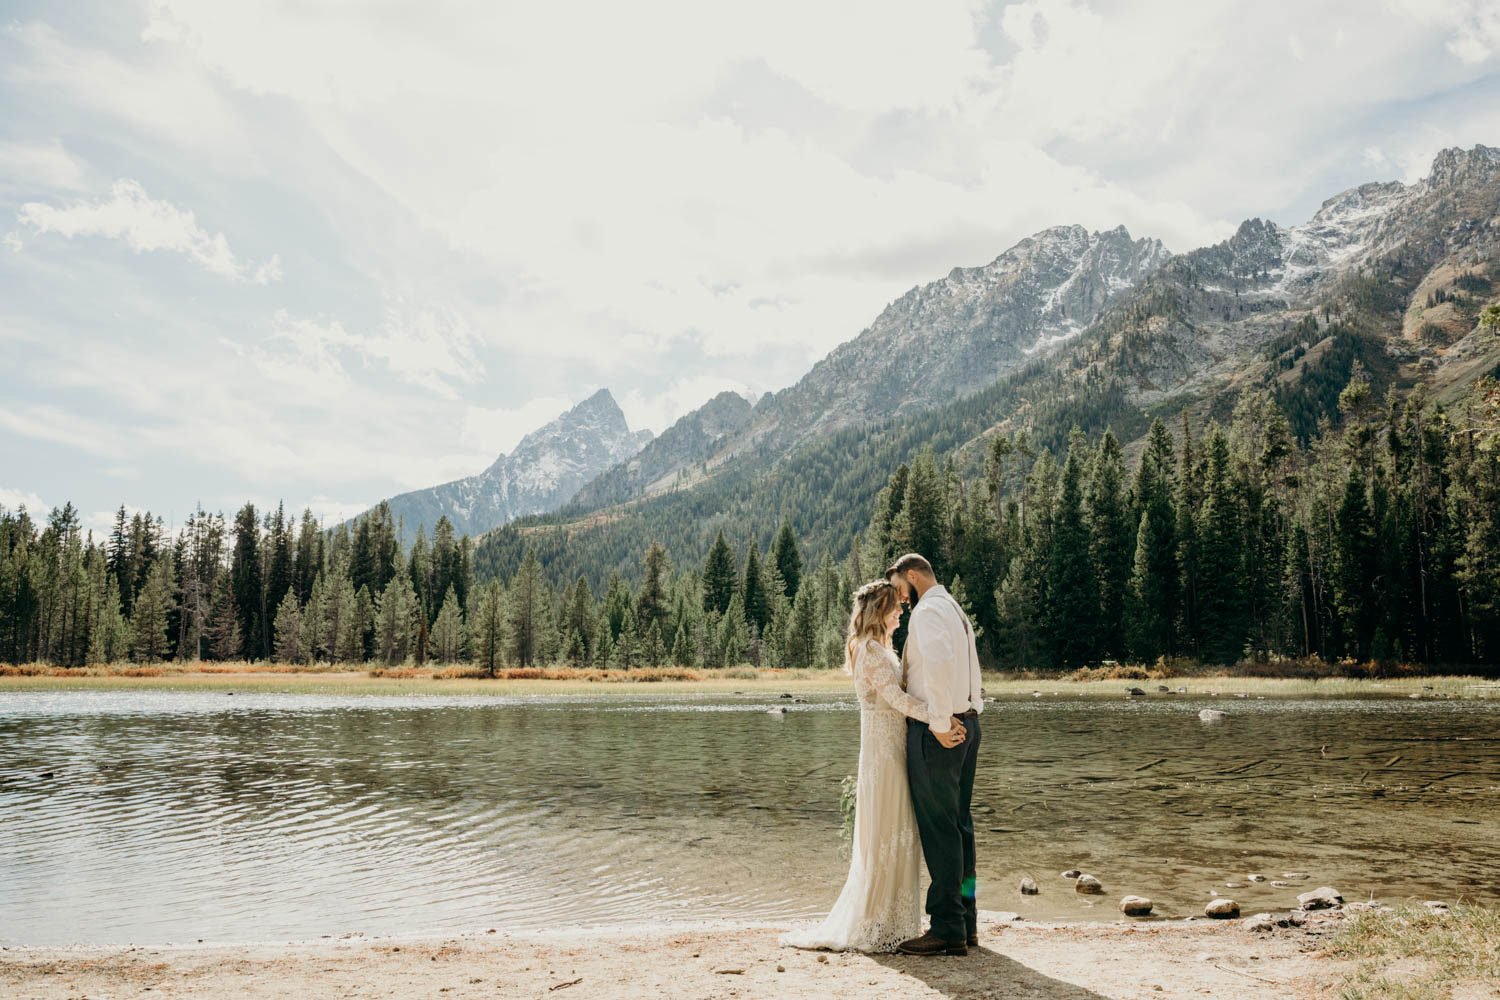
pixel 1213 715
pixel 1029 887
pixel 1163 689
pixel 1320 899
pixel 1135 906
pixel 1135 692
pixel 1071 873
pixel 1223 908
pixel 1295 875
pixel 1256 878
pixel 776 711
pixel 1090 885
pixel 1259 922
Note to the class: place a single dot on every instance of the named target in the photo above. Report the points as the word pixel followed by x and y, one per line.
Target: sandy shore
pixel 1014 960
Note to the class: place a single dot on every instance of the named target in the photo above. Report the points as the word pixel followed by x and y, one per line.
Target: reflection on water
pixel 168 816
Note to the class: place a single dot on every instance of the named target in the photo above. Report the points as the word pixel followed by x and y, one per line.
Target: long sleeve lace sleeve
pixel 880 672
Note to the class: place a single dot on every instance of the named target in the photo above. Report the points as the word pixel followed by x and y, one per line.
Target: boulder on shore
pixel 1222 908
pixel 1029 886
pixel 1325 898
pixel 1135 906
pixel 1259 922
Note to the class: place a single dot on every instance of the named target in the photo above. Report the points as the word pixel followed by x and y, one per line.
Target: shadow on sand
pixel 984 973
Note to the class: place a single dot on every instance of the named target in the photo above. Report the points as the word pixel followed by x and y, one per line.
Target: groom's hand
pixel 953 737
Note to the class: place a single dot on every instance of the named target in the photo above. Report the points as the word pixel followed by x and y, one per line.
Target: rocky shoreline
pixel 1048 961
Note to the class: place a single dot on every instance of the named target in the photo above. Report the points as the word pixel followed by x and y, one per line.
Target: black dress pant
pixel 942 789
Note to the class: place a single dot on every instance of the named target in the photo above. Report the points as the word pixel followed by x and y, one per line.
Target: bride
pixel 880 906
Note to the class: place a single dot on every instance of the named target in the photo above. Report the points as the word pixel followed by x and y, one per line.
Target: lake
pixel 158 817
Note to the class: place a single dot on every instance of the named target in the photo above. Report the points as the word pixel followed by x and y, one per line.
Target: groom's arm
pixel 935 653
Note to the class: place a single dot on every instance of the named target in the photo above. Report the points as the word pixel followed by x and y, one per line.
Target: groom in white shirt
pixel 941 664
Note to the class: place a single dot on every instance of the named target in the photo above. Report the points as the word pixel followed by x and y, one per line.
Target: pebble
pixel 1256 878
pixel 1324 898
pixel 1259 922
pixel 1278 883
pixel 1135 906
pixel 1071 873
pixel 1163 689
pixel 1295 875
pixel 823 959
pixel 1222 909
pixel 780 968
pixel 1296 918
pixel 1029 887
pixel 1234 885
pixel 1089 884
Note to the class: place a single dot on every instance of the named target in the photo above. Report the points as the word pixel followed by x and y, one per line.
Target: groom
pixel 942 668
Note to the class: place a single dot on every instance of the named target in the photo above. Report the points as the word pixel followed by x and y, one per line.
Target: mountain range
pixel 544 471
pixel 1067 328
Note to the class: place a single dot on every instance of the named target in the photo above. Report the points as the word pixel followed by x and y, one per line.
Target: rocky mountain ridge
pixel 543 472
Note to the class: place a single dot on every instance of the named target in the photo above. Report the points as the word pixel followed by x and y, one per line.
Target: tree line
pixel 1377 539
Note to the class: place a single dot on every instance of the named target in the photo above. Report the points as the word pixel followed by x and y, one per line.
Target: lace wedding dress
pixel 880 906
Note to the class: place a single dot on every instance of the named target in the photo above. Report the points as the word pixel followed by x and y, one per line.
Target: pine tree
pixel 578 619
pixel 396 620
pixel 149 625
pixel 734 638
pixel 718 576
pixel 526 611
pixel 802 632
pixel 448 629
pixel 288 630
pixel 1073 608
pixel 651 600
pixel 245 576
pixel 627 651
pixel 1112 542
pixel 489 628
pixel 315 632
pixel 682 647
pixel 1152 594
pixel 1356 564
pixel 1221 608
pixel 787 559
pixel 753 590
pixel 110 639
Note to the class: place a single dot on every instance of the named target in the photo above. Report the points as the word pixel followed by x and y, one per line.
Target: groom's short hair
pixel 910 561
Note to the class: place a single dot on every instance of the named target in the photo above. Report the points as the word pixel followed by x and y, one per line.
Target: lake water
pixel 164 816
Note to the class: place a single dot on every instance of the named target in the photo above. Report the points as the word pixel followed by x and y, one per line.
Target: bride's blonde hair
pixel 872 603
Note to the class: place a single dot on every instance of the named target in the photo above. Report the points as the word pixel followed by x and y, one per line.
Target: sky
pixel 326 251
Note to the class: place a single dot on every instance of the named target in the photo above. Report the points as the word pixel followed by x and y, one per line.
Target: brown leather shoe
pixel 931 944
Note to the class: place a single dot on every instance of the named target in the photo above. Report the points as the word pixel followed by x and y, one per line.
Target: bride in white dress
pixel 880 905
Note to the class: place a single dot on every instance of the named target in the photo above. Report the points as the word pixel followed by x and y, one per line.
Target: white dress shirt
pixel 941 658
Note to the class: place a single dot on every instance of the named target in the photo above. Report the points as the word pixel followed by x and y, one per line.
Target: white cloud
pixel 13 500
pixel 12 241
pixel 43 164
pixel 492 207
pixel 145 223
pixel 1473 25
